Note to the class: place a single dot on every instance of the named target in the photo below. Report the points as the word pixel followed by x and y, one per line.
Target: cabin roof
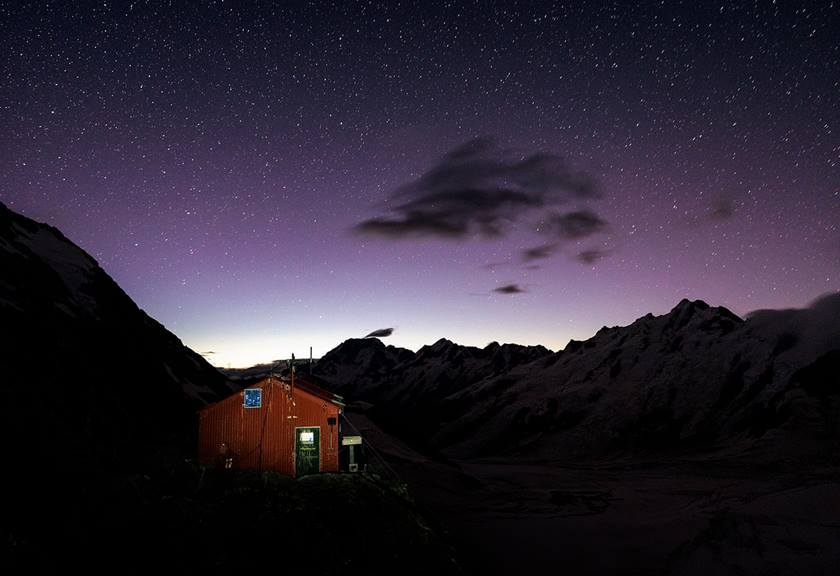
pixel 300 384
pixel 307 386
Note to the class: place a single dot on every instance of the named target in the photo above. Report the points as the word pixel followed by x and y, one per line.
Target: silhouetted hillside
pixel 92 387
pixel 84 369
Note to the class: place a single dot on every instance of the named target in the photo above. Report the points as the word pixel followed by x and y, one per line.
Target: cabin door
pixel 307 451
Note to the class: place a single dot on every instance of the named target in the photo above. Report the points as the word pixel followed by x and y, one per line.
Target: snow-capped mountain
pixel 696 377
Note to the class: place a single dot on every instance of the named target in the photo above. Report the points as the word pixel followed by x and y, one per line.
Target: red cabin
pixel 287 425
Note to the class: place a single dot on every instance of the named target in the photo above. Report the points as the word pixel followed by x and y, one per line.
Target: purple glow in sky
pixel 218 160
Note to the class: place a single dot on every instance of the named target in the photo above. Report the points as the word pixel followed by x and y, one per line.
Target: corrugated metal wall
pixel 263 438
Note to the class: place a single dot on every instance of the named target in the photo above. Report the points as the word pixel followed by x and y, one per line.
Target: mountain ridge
pixel 109 378
pixel 698 376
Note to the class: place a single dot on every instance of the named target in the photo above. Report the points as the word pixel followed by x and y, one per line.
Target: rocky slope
pixel 410 391
pixel 90 384
pixel 86 362
pixel 359 364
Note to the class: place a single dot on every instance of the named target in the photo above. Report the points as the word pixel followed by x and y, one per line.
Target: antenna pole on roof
pixel 274 364
pixel 310 360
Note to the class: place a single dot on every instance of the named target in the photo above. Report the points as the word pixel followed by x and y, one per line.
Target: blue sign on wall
pixel 253 398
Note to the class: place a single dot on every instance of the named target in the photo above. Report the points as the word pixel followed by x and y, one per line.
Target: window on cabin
pixel 252 398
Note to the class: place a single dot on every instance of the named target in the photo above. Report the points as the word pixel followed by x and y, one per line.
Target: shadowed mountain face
pixel 366 369
pixel 90 383
pixel 360 364
pixel 697 377
pixel 93 371
pixel 413 393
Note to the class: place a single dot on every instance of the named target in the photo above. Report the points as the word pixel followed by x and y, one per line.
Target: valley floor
pixel 680 517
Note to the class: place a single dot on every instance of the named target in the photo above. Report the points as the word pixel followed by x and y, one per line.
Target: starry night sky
pixel 262 178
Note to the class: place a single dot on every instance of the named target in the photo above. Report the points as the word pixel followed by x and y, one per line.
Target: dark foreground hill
pixel 85 371
pixel 698 377
pixel 91 387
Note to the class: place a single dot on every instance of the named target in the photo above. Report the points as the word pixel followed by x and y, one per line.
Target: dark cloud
pixel 454 214
pixel 574 225
pixel 811 331
pixel 509 289
pixel 568 226
pixel 381 333
pixel 478 188
pixel 721 210
pixel 493 265
pixel 208 353
pixel 538 252
pixel 592 256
